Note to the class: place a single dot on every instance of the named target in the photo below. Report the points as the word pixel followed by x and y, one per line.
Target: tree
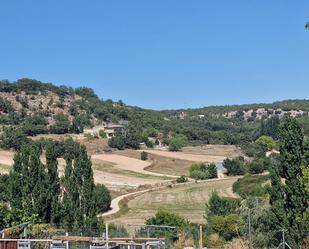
pixel 266 141
pixel 289 201
pixel 28 181
pixel 34 125
pixel 62 124
pixel 259 165
pixel 270 127
pixel 103 198
pixel 13 138
pixel 221 206
pixel 291 154
pixel 144 155
pixel 164 218
pixel 234 166
pixel 177 143
pixel 227 226
pixel 53 185
pixel 79 200
pixel 118 141
pixel 203 171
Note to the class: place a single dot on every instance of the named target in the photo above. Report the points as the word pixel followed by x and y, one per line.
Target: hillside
pixel 40 108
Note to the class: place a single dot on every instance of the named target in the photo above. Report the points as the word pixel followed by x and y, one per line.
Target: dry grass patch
pixel 161 164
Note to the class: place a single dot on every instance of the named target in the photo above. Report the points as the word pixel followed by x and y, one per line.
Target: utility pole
pixel 283 244
pixel 106 235
pixel 201 237
pixel 249 228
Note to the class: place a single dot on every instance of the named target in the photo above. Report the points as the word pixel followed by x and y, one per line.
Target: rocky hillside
pixel 30 107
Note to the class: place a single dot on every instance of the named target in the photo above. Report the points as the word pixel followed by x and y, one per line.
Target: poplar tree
pixel 53 185
pixel 289 200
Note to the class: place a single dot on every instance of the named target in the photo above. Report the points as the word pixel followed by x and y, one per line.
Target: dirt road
pixel 188 156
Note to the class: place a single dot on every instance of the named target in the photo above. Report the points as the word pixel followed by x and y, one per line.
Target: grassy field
pixel 5 168
pixel 187 201
pixel 99 165
pixel 165 162
pixel 161 164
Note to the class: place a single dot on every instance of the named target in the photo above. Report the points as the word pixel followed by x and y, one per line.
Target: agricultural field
pixel 186 200
pixel 126 175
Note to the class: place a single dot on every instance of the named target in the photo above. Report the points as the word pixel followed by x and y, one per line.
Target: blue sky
pixel 163 53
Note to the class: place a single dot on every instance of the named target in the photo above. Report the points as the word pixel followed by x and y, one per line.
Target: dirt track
pixel 188 156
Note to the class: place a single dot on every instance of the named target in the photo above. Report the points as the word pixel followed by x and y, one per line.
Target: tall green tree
pixel 289 200
pixel 53 185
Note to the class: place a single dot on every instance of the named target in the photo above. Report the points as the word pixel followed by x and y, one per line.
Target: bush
pixel 259 165
pixel 103 198
pixel 13 138
pixel 177 143
pixel 266 141
pixel 227 226
pixel 203 171
pixel 89 136
pixel 235 166
pixel 144 155
pixel 62 124
pixel 181 179
pixel 251 185
pixel 117 142
pixel 5 106
pixel 102 134
pixel 221 205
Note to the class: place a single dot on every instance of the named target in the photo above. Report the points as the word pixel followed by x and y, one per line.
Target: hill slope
pixel 39 108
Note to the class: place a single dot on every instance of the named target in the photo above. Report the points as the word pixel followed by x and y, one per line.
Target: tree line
pixel 34 191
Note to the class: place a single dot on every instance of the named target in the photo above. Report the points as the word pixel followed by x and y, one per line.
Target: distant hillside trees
pixel 5 106
pixel 34 125
pixel 13 138
pixel 131 137
pixel 270 127
pixel 62 124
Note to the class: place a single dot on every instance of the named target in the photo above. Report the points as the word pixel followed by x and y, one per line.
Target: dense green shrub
pixel 267 142
pixel 144 155
pixel 13 138
pixel 203 171
pixel 177 143
pixel 251 185
pixel 221 205
pixel 228 226
pixel 5 106
pixel 259 165
pixel 62 124
pixel 235 166
pixel 181 179
pixel 103 198
pixel 102 134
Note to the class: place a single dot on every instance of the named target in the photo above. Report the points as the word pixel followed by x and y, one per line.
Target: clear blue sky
pixel 163 53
